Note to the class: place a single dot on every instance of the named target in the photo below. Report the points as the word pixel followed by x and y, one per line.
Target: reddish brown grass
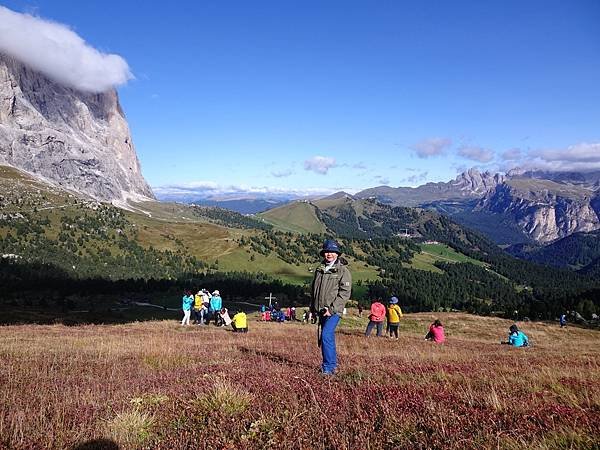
pixel 158 385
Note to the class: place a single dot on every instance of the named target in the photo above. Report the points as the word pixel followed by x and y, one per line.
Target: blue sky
pixel 290 96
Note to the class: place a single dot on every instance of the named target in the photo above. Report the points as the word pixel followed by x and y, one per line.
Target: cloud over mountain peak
pixel 59 53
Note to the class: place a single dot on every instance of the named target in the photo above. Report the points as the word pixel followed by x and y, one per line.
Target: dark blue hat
pixel 330 246
pixel 393 300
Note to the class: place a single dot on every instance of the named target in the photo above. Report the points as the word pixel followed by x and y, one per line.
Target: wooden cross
pixel 270 298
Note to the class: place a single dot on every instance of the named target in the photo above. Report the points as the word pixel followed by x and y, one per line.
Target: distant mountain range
pixel 519 207
pixel 342 214
pixel 243 205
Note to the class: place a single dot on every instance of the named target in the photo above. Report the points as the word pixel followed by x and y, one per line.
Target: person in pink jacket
pixel 436 332
pixel 376 318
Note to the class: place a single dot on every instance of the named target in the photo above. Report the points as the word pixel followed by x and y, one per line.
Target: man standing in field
pixel 331 288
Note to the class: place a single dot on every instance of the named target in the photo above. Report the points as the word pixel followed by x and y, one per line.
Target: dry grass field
pixel 160 385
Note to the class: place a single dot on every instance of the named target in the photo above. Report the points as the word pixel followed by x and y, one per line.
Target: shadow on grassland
pixel 274 357
pixel 97 444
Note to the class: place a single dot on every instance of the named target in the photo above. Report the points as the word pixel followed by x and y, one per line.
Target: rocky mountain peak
pixel 476 182
pixel 78 140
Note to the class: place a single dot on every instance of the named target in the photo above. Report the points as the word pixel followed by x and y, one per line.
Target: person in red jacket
pixel 436 332
pixel 376 318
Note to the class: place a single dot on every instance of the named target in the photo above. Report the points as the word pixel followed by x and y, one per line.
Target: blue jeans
pixel 328 343
pixel 371 325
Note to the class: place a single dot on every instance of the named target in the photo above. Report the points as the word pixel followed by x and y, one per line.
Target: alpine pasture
pixel 159 385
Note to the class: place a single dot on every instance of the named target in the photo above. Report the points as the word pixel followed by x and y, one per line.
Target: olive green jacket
pixel 331 289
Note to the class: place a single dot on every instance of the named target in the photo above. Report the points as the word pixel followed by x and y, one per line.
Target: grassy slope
pixel 531 189
pixel 286 217
pixel 164 226
pixel 132 385
pixel 173 226
pixel 448 254
pixel 297 217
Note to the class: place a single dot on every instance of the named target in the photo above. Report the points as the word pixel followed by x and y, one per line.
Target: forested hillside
pixel 575 251
pixel 500 283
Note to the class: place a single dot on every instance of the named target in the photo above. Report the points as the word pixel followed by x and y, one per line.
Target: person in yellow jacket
pixel 394 313
pixel 239 322
pixel 198 313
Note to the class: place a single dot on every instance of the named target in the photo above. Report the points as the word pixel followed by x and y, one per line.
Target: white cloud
pixel 512 154
pixel 59 53
pixel 479 154
pixel 382 180
pixel 431 147
pixel 320 164
pixel 282 173
pixel 583 152
pixel 579 157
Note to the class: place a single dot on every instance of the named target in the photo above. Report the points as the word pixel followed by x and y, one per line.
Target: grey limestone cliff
pixel 545 210
pixel 80 141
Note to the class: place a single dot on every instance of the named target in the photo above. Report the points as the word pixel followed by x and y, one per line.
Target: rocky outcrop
pixel 543 209
pixel 474 183
pixel 80 141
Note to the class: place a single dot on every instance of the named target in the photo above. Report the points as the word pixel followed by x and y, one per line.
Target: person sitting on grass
pixel 225 319
pixel 436 332
pixel 239 323
pixel 394 313
pixel 376 318
pixel 516 337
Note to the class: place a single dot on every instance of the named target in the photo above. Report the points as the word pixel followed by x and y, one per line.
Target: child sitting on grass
pixel 517 338
pixel 224 317
pixel 436 332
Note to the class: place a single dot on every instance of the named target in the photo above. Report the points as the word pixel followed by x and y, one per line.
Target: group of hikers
pixel 331 288
pixel 393 314
pixel 330 291
pixel 273 313
pixel 379 313
pixel 209 307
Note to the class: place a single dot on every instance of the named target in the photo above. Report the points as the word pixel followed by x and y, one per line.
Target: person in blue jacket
pixel 216 303
pixel 517 338
pixel 563 320
pixel 186 304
